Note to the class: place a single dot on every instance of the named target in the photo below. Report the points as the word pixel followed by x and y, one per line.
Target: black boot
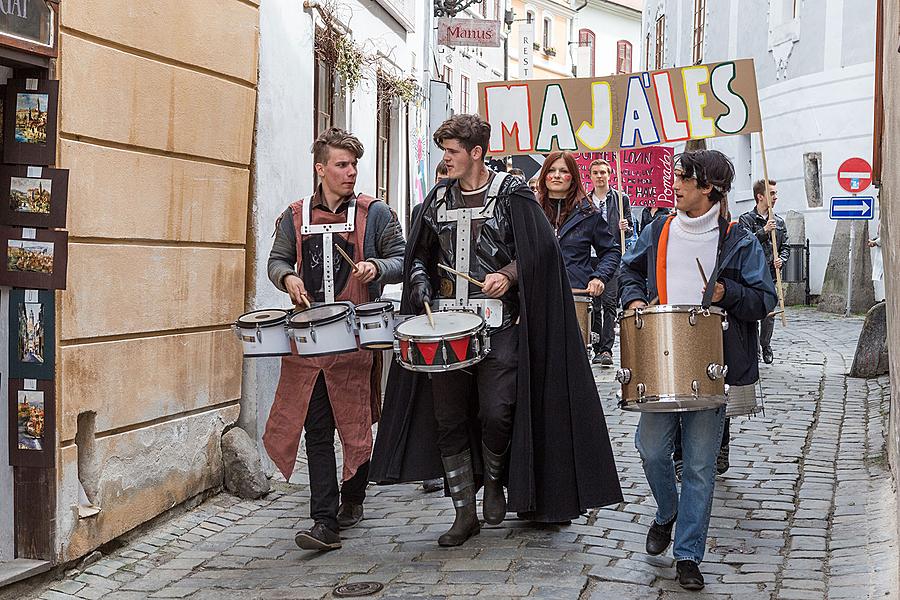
pixel 461 481
pixel 494 505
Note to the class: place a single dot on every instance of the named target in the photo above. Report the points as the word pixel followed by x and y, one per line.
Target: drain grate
pixel 354 590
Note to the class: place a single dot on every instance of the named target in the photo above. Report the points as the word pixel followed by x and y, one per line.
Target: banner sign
pixel 468 32
pixel 634 110
pixel 526 49
pixel 647 174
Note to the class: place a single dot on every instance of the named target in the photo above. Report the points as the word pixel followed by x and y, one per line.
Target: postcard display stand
pixel 33 262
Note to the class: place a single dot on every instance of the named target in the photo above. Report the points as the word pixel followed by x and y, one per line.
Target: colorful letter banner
pixel 647 174
pixel 622 111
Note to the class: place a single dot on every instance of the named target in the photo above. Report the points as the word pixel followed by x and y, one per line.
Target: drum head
pixel 263 318
pixel 375 308
pixel 319 315
pixel 445 324
pixel 674 308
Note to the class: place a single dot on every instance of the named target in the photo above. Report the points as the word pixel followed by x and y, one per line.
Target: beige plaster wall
pixel 157 111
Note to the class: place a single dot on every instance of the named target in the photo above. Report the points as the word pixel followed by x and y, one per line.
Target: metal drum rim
pixel 659 400
pixel 363 311
pixel 345 312
pixel 450 336
pixel 273 322
pixel 674 308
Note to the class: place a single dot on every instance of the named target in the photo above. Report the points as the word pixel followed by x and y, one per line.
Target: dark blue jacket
pixel 584 230
pixel 749 292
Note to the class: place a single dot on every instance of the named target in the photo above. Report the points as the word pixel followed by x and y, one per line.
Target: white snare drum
pixel 457 340
pixel 263 333
pixel 322 330
pixel 375 321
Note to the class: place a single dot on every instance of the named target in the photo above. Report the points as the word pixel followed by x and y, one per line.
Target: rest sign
pixel 855 175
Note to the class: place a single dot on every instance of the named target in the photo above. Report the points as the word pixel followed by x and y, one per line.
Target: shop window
pixel 812 177
pixel 623 57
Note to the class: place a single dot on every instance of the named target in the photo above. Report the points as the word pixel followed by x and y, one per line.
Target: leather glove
pixel 419 290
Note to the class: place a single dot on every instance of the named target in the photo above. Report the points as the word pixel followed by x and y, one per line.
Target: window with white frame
pixel 587 43
pixel 463 94
pixel 548 32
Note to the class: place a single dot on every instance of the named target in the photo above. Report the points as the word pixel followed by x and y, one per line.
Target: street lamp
pixel 451 8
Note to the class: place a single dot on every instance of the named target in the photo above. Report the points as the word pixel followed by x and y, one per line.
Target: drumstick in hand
pixel 430 316
pixel 702 273
pixel 461 274
pixel 346 257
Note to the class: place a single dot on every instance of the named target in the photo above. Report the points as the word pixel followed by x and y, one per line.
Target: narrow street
pixel 806 511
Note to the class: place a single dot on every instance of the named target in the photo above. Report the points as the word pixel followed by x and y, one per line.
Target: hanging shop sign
pixel 623 111
pixel 468 32
pixel 30 25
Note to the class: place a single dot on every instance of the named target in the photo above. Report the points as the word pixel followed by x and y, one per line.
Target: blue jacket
pixel 740 266
pixel 583 231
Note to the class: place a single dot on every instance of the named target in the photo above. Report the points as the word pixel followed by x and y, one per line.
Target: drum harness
pixel 491 309
pixel 327 231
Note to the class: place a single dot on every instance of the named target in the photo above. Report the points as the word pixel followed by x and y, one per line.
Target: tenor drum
pixel 584 312
pixel 376 324
pixel 325 329
pixel 457 340
pixel 672 358
pixel 263 333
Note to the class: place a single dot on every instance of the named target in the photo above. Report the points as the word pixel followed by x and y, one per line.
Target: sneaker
pixel 606 359
pixel 722 463
pixel 432 485
pixel 767 355
pixel 320 537
pixel 659 537
pixel 349 514
pixel 679 469
pixel 598 359
pixel 688 575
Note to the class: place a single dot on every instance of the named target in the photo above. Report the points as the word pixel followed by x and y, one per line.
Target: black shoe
pixel 320 537
pixel 432 485
pixel 767 355
pixel 689 575
pixel 605 359
pixel 722 463
pixel 494 501
pixel 349 514
pixel 598 359
pixel 659 537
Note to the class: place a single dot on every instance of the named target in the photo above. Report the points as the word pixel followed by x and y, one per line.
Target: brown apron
pixel 349 377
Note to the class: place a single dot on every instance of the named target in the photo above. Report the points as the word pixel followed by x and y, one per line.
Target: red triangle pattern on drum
pixel 404 350
pixel 460 348
pixel 428 350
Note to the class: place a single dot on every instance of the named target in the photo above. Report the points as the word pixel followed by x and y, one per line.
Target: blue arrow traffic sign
pixel 853 208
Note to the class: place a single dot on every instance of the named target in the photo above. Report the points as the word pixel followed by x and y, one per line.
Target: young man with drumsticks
pixel 338 391
pixel 663 265
pixel 509 417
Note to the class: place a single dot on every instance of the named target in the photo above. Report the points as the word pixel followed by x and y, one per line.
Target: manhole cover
pixel 353 590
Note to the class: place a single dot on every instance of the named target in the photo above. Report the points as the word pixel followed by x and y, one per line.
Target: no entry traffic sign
pixel 855 175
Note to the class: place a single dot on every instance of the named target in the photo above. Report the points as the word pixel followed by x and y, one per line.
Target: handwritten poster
pixel 647 175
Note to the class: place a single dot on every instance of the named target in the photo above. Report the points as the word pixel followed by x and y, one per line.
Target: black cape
pixel 561 462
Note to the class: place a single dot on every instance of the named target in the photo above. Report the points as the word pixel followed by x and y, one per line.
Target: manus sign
pixel 468 32
pixel 622 111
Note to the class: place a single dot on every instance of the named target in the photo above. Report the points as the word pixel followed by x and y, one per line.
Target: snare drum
pixel 584 312
pixel 263 333
pixel 325 329
pixel 457 340
pixel 672 358
pixel 375 321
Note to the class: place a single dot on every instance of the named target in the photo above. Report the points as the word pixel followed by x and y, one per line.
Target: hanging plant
pixel 393 87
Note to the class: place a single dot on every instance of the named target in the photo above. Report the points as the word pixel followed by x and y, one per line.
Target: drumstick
pixel 702 273
pixel 463 275
pixel 579 292
pixel 430 316
pixel 774 312
pixel 346 257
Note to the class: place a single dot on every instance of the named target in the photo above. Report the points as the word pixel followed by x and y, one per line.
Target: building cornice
pixel 549 5
pixel 616 9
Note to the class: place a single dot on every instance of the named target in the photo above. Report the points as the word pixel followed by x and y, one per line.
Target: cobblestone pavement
pixel 806 510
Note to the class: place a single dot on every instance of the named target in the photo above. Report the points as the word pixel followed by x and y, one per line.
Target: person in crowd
pixel 533 185
pixel 760 223
pixel 606 199
pixel 319 395
pixel 649 214
pixel 580 227
pixel 739 283
pixel 517 173
pixel 509 418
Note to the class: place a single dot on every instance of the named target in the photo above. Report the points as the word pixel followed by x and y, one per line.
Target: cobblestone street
pixel 806 511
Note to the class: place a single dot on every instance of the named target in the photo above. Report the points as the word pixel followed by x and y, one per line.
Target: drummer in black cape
pixel 739 283
pixel 528 414
pixel 591 254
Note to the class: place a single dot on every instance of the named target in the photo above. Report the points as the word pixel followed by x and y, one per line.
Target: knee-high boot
pixel 461 481
pixel 494 505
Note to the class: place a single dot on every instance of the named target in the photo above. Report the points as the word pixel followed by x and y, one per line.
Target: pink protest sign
pixel 646 173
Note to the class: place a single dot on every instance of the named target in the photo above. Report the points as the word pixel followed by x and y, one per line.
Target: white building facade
pixel 815 73
pixel 609 37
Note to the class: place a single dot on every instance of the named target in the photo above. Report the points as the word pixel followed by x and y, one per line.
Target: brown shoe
pixel 318 538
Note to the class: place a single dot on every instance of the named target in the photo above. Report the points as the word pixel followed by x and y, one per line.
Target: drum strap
pixel 710 289
pixel 327 231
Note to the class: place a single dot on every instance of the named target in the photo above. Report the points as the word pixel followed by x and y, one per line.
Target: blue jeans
pixel 701 434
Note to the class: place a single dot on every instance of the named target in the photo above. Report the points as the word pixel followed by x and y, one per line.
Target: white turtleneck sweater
pixel 690 239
